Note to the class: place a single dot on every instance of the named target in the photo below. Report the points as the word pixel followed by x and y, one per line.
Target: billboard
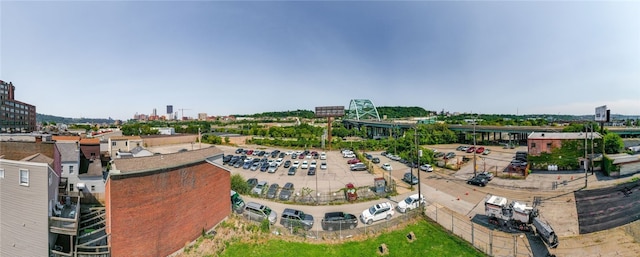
pixel 330 111
pixel 601 113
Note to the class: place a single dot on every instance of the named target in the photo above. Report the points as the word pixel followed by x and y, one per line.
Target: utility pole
pixel 592 153
pixel 475 169
pixel 418 155
pixel 585 157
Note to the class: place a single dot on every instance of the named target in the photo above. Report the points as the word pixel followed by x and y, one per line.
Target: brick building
pixel 544 142
pixel 15 116
pixel 155 204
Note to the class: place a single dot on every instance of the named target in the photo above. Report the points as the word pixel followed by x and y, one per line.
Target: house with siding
pixel 30 207
pixel 124 144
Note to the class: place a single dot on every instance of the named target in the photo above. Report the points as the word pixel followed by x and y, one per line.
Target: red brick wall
pixel 155 214
pixel 169 140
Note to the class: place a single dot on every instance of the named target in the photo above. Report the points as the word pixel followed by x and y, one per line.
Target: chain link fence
pixel 491 242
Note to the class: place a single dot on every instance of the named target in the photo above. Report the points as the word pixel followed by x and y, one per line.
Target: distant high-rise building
pixel 169 109
pixel 15 116
pixel 155 112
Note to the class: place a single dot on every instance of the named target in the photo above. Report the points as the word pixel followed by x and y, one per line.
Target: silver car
pixel 258 212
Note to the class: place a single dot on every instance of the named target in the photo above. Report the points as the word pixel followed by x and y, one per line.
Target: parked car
pixel 260 188
pixel 377 212
pixel 313 164
pixel 258 212
pixel 247 164
pixel 375 160
pixel 286 191
pixel 292 171
pixel 462 148
pixel 273 167
pixel 338 221
pixel 426 167
pixel 295 164
pixel 478 181
pixel 450 155
pixel 486 175
pixel 410 178
pixel 471 149
pixel 264 167
pixel 296 218
pixel 368 156
pixel 480 150
pixel 226 159
pixel 311 171
pixel 272 191
pixel 323 166
pixel 239 150
pixel 387 167
pixel 349 155
pixel 252 182
pixel 255 166
pixel 438 155
pixel 486 152
pixel 287 163
pixel 410 203
pixel 358 167
pixel 353 161
pixel 305 165
pixel 323 156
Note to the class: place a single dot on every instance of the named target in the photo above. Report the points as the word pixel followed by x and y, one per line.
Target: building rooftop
pixel 158 161
pixel 69 151
pixel 564 135
pixel 65 138
pixel 90 141
pixel 623 158
pixel 41 158
pixel 126 138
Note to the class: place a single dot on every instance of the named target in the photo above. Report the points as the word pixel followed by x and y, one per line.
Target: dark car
pixel 272 191
pixel 339 221
pixel 485 175
pixel 281 155
pixel 287 164
pixel 239 150
pixel 438 155
pixel 478 181
pixel 286 191
pixel 246 165
pixel 410 178
pixel 375 160
pixel 295 218
pixel 312 171
pixel 368 156
pixel 292 171
pixel 226 159
pixel 264 167
pixel 449 155
pixel 252 182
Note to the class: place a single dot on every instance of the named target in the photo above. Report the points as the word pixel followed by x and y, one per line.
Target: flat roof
pixel 159 161
pixel 564 135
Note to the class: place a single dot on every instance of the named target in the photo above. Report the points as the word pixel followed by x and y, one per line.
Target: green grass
pixel 430 240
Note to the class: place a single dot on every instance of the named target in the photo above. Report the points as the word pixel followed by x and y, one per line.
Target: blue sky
pixel 117 58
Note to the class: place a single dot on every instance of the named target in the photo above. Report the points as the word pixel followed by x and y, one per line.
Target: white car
pixel 314 164
pixel 305 165
pixel 387 167
pixel 426 167
pixel 279 161
pixel 323 156
pixel 377 212
pixel 323 166
pixel 260 188
pixel 295 164
pixel 410 203
pixel 289 152
pixel 349 155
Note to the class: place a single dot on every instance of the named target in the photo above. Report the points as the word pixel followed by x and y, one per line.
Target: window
pixel 548 145
pixel 70 169
pixel 93 188
pixel 533 145
pixel 71 187
pixel 24 177
pixel 113 143
pixel 1 173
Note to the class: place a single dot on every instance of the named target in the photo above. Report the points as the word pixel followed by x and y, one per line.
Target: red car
pixel 249 152
pixel 301 156
pixel 471 149
pixel 480 149
pixel 353 161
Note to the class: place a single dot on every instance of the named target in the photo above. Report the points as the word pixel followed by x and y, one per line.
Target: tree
pixel 613 143
pixel 239 184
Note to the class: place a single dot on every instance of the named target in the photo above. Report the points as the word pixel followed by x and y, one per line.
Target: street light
pixel 474 148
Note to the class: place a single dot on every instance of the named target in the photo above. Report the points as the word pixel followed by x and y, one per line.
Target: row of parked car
pixel 471 149
pixel 291 218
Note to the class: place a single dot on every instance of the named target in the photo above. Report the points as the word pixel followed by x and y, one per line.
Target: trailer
pixel 545 232
pixel 511 215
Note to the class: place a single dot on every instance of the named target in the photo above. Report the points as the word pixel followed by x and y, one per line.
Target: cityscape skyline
pixel 115 59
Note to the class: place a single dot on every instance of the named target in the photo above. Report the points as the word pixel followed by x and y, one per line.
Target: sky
pixel 100 59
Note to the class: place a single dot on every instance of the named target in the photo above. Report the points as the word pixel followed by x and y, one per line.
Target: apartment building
pixel 15 116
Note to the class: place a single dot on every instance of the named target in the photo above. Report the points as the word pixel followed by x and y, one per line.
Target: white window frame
pixel 70 169
pixel 1 173
pixel 24 177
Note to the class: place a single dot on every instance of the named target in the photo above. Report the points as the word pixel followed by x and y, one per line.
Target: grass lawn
pixel 430 240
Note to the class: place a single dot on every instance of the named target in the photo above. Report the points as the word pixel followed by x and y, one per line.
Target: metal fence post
pixel 515 245
pixel 472 239
pixel 490 242
pixel 436 212
pixel 452 223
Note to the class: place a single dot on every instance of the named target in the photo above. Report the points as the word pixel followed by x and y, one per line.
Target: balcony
pixel 65 217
